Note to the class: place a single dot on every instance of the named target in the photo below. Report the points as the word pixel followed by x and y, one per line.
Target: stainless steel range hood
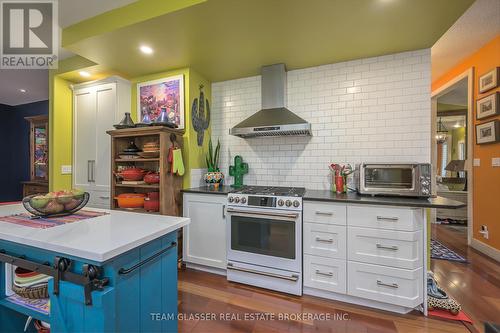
pixel 274 119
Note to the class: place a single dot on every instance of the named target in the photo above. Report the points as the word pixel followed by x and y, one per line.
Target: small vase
pixel 146 119
pixel 163 117
pixel 214 179
pixel 127 121
pixel 339 184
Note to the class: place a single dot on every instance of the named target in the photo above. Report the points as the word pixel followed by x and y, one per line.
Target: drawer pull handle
pixel 103 197
pixel 324 240
pixel 387 218
pixel 293 278
pixel 392 248
pixel 318 212
pixel 329 274
pixel 390 285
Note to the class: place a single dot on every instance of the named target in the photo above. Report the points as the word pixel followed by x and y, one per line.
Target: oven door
pixel 264 237
pixel 391 179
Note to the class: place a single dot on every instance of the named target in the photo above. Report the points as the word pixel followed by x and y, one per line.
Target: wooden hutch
pixel 170 185
pixel 39 156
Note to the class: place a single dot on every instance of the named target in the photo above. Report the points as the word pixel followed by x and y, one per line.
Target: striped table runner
pixel 44 223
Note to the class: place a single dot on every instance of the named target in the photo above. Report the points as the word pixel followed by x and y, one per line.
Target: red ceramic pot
pixel 152 178
pixel 153 195
pixel 132 174
pixel 151 205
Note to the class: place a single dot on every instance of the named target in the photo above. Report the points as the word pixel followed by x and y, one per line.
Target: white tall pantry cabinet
pixel 97 106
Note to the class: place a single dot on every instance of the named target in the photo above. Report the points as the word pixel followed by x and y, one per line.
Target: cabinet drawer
pixel 401 249
pixel 99 199
pixel 328 213
pixel 325 240
pixel 385 284
pixel 405 219
pixel 325 273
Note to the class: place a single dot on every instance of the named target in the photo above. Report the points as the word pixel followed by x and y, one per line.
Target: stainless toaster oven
pixel 398 179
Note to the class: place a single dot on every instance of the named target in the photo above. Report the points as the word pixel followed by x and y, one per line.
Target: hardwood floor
pixel 476 285
pixel 201 292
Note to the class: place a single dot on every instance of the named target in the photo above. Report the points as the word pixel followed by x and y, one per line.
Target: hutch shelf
pixel 170 184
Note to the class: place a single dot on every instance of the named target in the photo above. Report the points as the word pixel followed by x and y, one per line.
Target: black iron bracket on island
pixel 89 278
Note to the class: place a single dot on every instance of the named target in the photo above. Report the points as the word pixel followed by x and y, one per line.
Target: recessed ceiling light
pixel 84 73
pixel 22 90
pixel 146 49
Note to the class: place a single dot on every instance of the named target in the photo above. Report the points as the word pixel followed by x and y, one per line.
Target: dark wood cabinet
pixel 39 156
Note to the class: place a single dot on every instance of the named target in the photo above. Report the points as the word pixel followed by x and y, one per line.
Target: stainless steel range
pixel 265 237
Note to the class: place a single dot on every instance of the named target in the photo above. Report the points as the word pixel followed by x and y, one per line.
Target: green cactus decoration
pixel 238 170
pixel 200 121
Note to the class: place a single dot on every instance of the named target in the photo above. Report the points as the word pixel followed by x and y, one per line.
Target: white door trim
pixel 469 74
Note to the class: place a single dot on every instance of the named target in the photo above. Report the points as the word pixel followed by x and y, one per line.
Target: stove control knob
pixel 230 199
pixel 296 203
pixel 237 199
pixel 288 203
pixel 280 202
pixel 243 200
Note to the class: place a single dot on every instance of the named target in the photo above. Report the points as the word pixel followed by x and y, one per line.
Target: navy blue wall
pixel 15 147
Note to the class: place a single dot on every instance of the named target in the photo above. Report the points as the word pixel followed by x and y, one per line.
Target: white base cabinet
pixel 204 239
pixel 367 255
pixel 97 106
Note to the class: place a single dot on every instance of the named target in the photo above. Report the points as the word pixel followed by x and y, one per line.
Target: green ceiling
pixel 226 39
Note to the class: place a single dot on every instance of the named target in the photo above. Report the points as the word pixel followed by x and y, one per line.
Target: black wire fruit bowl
pixel 55 204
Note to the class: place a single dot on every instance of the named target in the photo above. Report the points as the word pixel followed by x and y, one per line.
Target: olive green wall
pixel 61 122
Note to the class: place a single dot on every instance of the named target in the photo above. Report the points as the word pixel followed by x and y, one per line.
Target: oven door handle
pixel 278 216
pixel 293 277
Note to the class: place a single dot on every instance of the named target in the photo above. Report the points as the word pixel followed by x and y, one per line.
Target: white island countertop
pixel 98 239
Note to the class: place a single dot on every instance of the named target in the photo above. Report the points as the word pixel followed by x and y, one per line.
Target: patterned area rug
pixel 439 251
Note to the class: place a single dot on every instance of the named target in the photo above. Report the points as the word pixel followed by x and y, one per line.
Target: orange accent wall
pixel 486 192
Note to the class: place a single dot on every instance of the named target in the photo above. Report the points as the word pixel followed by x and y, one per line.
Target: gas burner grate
pixel 272 190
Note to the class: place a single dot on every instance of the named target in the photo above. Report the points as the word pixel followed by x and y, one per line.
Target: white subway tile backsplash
pixel 376 109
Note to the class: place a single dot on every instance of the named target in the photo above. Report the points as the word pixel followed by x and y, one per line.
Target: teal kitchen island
pixel 112 273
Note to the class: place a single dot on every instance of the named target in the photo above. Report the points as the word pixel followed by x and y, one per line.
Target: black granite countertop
pixel 352 197
pixel 222 190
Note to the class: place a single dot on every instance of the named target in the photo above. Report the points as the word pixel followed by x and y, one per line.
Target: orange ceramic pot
pixel 131 200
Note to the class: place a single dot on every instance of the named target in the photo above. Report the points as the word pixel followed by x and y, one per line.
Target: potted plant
pixel 213 177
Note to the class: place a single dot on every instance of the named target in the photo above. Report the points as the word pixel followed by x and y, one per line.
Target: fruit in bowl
pixel 56 203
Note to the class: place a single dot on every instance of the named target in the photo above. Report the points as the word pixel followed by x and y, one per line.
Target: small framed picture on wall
pixel 489 80
pixel 488 106
pixel 488 132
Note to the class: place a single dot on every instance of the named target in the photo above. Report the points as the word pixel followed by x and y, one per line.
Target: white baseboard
pixel 208 269
pixel 486 249
pixel 356 300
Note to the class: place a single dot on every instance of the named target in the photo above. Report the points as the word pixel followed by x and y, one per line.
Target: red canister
pixel 339 184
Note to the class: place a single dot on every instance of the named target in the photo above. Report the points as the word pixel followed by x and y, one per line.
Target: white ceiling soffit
pixel 456 96
pixel 476 27
pixel 34 81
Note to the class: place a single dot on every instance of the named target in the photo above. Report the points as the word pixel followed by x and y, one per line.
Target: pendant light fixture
pixel 442 132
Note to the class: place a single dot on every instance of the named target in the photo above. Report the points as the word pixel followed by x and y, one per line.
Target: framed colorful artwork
pixel 488 106
pixel 161 100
